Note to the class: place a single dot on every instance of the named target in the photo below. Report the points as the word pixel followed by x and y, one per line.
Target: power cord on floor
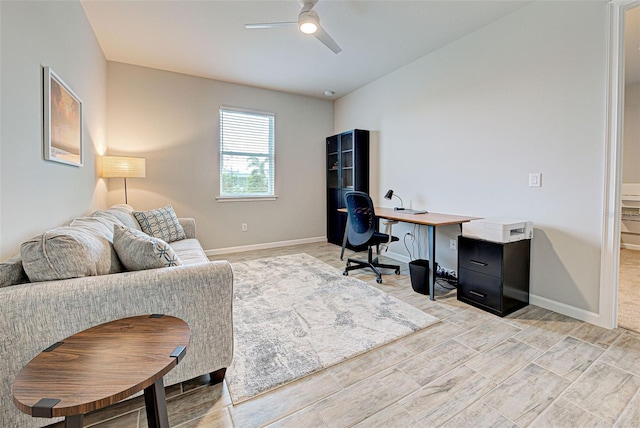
pixel 445 277
pixel 450 284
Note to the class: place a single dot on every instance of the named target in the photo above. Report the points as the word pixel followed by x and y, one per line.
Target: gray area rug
pixel 295 315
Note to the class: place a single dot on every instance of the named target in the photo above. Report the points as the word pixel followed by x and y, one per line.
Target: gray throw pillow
pixel 82 249
pixel 161 223
pixel 139 251
pixel 11 272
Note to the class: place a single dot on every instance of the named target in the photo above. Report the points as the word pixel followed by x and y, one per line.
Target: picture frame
pixel 62 121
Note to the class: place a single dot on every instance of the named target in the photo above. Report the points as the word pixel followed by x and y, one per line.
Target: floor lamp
pixel 123 167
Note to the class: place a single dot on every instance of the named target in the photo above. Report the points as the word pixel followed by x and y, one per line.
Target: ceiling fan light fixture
pixel 308 27
pixel 308 22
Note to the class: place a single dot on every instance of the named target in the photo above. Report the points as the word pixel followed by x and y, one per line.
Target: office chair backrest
pixel 361 217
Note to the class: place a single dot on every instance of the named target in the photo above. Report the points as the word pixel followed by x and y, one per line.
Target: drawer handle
pixel 478 263
pixel 475 293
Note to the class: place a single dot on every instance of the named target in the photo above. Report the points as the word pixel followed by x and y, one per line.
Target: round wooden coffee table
pixel 101 366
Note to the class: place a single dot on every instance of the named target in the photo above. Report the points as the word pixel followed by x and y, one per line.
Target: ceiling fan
pixel 308 23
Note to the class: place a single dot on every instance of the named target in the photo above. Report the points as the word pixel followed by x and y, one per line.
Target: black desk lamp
pixel 390 194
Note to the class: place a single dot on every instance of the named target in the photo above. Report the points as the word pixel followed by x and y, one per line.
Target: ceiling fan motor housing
pixel 308 22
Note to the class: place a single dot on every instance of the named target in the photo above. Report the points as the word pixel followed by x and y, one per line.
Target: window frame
pixel 271 158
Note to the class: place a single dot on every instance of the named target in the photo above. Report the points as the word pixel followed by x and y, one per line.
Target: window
pixel 246 153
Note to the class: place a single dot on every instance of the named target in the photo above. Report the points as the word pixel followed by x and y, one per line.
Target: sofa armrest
pixel 33 316
pixel 189 226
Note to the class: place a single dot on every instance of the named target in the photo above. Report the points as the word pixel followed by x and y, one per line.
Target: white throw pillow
pixel 139 251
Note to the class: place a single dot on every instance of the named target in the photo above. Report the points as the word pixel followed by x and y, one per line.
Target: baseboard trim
pixel 563 308
pixel 264 246
pixel 543 302
pixel 630 246
pixel 395 256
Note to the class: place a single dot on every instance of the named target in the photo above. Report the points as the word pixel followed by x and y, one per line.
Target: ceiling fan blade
pixel 270 25
pixel 326 39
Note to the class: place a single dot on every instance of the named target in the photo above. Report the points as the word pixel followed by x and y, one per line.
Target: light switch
pixel 535 179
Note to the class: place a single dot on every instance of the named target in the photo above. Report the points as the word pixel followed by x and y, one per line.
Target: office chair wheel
pixel 379 280
pixel 397 271
pixel 345 273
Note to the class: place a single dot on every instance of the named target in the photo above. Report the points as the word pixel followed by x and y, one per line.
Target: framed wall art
pixel 62 121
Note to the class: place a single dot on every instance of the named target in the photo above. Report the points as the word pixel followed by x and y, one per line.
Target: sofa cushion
pixel 124 213
pixel 81 249
pixel 161 223
pixel 11 272
pixel 107 215
pixel 190 251
pixel 139 251
pixel 99 225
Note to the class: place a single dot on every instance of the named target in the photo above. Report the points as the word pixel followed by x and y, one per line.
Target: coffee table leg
pixel 156 404
pixel 74 421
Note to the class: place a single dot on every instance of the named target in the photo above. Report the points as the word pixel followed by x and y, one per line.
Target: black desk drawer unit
pixel 493 276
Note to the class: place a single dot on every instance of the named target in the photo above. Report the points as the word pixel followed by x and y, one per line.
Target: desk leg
pixel 156 404
pixel 344 239
pixel 431 238
pixel 74 421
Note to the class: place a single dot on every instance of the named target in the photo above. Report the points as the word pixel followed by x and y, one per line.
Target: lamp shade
pixel 389 194
pixel 123 167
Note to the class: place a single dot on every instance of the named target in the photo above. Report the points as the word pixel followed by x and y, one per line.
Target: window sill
pixel 245 198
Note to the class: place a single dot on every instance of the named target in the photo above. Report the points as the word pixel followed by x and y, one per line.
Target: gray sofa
pixel 35 315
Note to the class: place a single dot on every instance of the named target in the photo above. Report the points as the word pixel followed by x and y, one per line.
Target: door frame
pixel 610 259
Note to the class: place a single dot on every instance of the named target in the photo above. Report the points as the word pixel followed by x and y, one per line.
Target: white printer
pixel 498 229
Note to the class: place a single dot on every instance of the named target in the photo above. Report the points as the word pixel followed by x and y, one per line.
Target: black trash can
pixel 419 271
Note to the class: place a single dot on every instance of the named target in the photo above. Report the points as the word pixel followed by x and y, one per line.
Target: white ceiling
pixel 208 38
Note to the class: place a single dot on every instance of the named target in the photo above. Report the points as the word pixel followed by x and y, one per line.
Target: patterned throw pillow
pixel 139 251
pixel 161 223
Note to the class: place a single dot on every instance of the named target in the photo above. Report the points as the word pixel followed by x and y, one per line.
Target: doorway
pixel 610 250
pixel 629 264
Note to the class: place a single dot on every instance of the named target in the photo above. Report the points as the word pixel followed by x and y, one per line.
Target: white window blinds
pixel 246 153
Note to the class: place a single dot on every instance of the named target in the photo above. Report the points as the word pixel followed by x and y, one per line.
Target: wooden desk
pixel 101 366
pixel 431 220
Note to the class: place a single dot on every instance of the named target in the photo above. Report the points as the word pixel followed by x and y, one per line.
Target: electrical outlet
pixel 453 244
pixel 245 227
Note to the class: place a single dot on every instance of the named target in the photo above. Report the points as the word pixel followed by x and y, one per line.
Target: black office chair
pixel 362 231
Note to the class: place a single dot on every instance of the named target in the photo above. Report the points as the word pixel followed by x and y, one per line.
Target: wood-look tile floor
pixel 629 290
pixel 534 368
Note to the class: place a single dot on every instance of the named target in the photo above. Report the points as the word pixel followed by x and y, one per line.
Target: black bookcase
pixel 347 169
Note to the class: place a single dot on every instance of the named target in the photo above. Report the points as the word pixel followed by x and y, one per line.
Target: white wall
pixel 171 119
pixel 460 129
pixel 36 194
